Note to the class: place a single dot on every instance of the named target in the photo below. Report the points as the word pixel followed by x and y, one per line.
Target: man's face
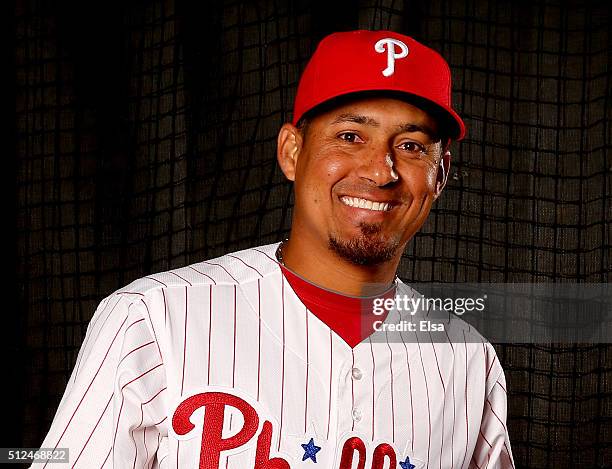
pixel 348 197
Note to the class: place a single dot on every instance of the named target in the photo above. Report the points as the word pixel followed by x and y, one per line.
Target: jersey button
pixel 357 374
pixel 356 415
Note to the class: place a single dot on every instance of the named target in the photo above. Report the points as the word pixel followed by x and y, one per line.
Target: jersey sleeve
pixel 493 449
pixel 112 412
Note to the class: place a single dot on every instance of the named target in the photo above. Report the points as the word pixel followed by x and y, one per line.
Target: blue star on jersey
pixel 406 464
pixel 310 451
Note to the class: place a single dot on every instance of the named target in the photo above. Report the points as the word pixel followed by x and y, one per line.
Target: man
pixel 265 358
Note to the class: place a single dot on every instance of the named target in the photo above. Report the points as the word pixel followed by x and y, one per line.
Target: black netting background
pixel 146 136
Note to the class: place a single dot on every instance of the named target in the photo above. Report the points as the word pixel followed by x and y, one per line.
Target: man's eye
pixel 412 147
pixel 350 137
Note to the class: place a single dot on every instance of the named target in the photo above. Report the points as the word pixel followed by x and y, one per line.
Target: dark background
pixel 146 135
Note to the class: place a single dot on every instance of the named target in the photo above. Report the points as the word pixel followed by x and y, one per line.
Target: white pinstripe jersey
pixel 156 350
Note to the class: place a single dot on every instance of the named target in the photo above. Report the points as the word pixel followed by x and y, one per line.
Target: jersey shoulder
pixel 235 268
pixel 480 351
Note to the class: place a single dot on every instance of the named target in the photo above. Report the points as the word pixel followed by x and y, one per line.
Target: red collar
pixel 350 317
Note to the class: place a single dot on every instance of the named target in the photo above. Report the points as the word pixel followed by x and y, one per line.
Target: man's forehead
pixel 376 112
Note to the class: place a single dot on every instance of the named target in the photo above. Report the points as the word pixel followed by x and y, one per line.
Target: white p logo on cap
pixel 389 44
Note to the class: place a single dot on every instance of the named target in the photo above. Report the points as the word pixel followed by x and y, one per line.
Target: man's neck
pixel 322 266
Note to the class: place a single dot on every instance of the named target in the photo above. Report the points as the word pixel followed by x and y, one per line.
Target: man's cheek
pixel 421 181
pixel 331 166
pixel 432 181
pixel 430 178
pixel 310 197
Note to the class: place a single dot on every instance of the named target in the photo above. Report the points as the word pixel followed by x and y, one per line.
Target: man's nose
pixel 379 168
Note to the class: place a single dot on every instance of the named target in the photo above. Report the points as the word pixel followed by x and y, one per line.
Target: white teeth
pixel 366 204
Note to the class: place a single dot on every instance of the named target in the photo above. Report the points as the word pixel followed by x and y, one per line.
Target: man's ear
pixel 443 170
pixel 289 145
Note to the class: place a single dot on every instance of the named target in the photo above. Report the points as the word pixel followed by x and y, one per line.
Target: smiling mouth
pixel 366 204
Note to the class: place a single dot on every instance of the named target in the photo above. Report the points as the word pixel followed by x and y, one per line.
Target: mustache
pixel 363 189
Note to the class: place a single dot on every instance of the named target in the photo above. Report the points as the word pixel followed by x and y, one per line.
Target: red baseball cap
pixel 365 61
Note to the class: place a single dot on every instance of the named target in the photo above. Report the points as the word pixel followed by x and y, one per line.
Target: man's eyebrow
pixel 419 128
pixel 357 119
pixel 366 120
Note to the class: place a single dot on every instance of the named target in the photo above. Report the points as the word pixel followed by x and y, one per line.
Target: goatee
pixel 367 248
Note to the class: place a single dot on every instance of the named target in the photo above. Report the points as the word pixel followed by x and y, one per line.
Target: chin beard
pixel 367 248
